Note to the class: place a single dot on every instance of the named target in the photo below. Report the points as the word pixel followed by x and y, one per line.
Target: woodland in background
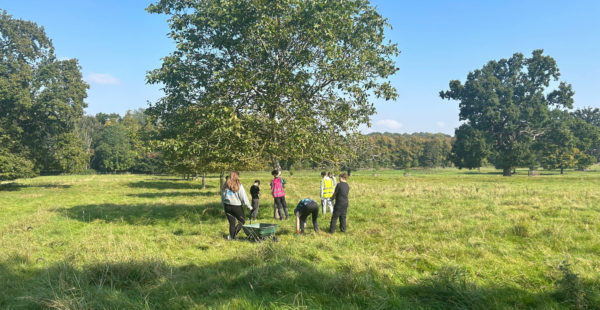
pixel 511 118
pixel 130 144
pixel 111 143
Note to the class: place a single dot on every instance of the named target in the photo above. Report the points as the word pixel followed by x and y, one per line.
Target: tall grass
pixel 437 239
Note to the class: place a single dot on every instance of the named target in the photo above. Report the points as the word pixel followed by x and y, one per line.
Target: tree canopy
pixel 586 127
pixel 285 78
pixel 469 149
pixel 509 102
pixel 41 99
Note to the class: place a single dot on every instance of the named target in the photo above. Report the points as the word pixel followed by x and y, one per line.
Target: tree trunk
pixel 349 172
pixel 221 179
pixel 276 165
pixel 203 180
pixel 506 172
pixel 562 170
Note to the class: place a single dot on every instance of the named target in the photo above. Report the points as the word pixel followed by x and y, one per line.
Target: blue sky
pixel 116 42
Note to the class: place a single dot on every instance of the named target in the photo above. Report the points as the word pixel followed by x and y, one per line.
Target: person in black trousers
pixel 340 207
pixel 278 191
pixel 233 196
pixel 255 193
pixel 305 208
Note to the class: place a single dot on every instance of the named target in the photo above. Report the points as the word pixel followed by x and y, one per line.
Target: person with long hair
pixel 233 196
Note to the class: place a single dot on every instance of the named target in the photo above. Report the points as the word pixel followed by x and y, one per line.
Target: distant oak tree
pixel 508 102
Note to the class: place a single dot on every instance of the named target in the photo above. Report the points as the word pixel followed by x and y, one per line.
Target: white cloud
pixel 101 78
pixel 389 124
pixel 441 124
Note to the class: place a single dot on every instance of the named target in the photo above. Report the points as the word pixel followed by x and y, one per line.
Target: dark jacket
pixel 254 191
pixel 340 195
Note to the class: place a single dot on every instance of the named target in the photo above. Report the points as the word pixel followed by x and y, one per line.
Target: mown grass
pixel 437 239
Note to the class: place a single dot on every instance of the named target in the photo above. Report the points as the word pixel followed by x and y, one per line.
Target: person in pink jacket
pixel 278 192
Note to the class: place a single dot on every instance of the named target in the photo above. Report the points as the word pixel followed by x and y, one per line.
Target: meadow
pixel 436 239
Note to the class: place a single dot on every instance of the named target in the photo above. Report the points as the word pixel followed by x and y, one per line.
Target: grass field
pixel 437 239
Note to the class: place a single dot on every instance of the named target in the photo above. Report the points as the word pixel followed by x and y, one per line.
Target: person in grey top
pixel 233 196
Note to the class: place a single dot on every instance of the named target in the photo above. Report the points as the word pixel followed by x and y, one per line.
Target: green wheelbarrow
pixel 260 232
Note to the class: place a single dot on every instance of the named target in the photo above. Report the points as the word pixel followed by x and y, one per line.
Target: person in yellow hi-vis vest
pixel 327 188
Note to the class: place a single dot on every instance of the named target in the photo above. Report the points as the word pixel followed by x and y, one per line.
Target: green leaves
pixel 69 153
pixel 565 142
pixel 113 151
pixel 13 166
pixel 292 71
pixel 470 148
pixel 41 98
pixel 505 102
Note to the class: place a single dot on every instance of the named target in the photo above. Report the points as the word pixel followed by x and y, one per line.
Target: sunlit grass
pixel 435 239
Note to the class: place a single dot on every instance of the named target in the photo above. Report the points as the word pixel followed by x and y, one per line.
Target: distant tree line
pixel 131 144
pixel 393 150
pixel 120 144
pixel 511 115
pixel 112 143
pixel 387 150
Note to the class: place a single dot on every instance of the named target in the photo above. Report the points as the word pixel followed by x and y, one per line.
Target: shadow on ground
pixel 175 194
pixel 14 186
pixel 144 214
pixel 266 278
pixel 198 179
pixel 168 184
pixel 519 173
pixel 481 172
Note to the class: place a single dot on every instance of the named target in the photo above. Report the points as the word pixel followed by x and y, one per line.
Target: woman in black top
pixel 340 208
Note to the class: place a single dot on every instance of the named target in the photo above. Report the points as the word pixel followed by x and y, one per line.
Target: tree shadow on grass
pixel 268 277
pixel 198 178
pixel 168 184
pixel 475 172
pixel 175 194
pixel 518 173
pixel 15 186
pixel 144 214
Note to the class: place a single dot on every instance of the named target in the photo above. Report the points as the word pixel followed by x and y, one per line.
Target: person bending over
pixel 305 208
